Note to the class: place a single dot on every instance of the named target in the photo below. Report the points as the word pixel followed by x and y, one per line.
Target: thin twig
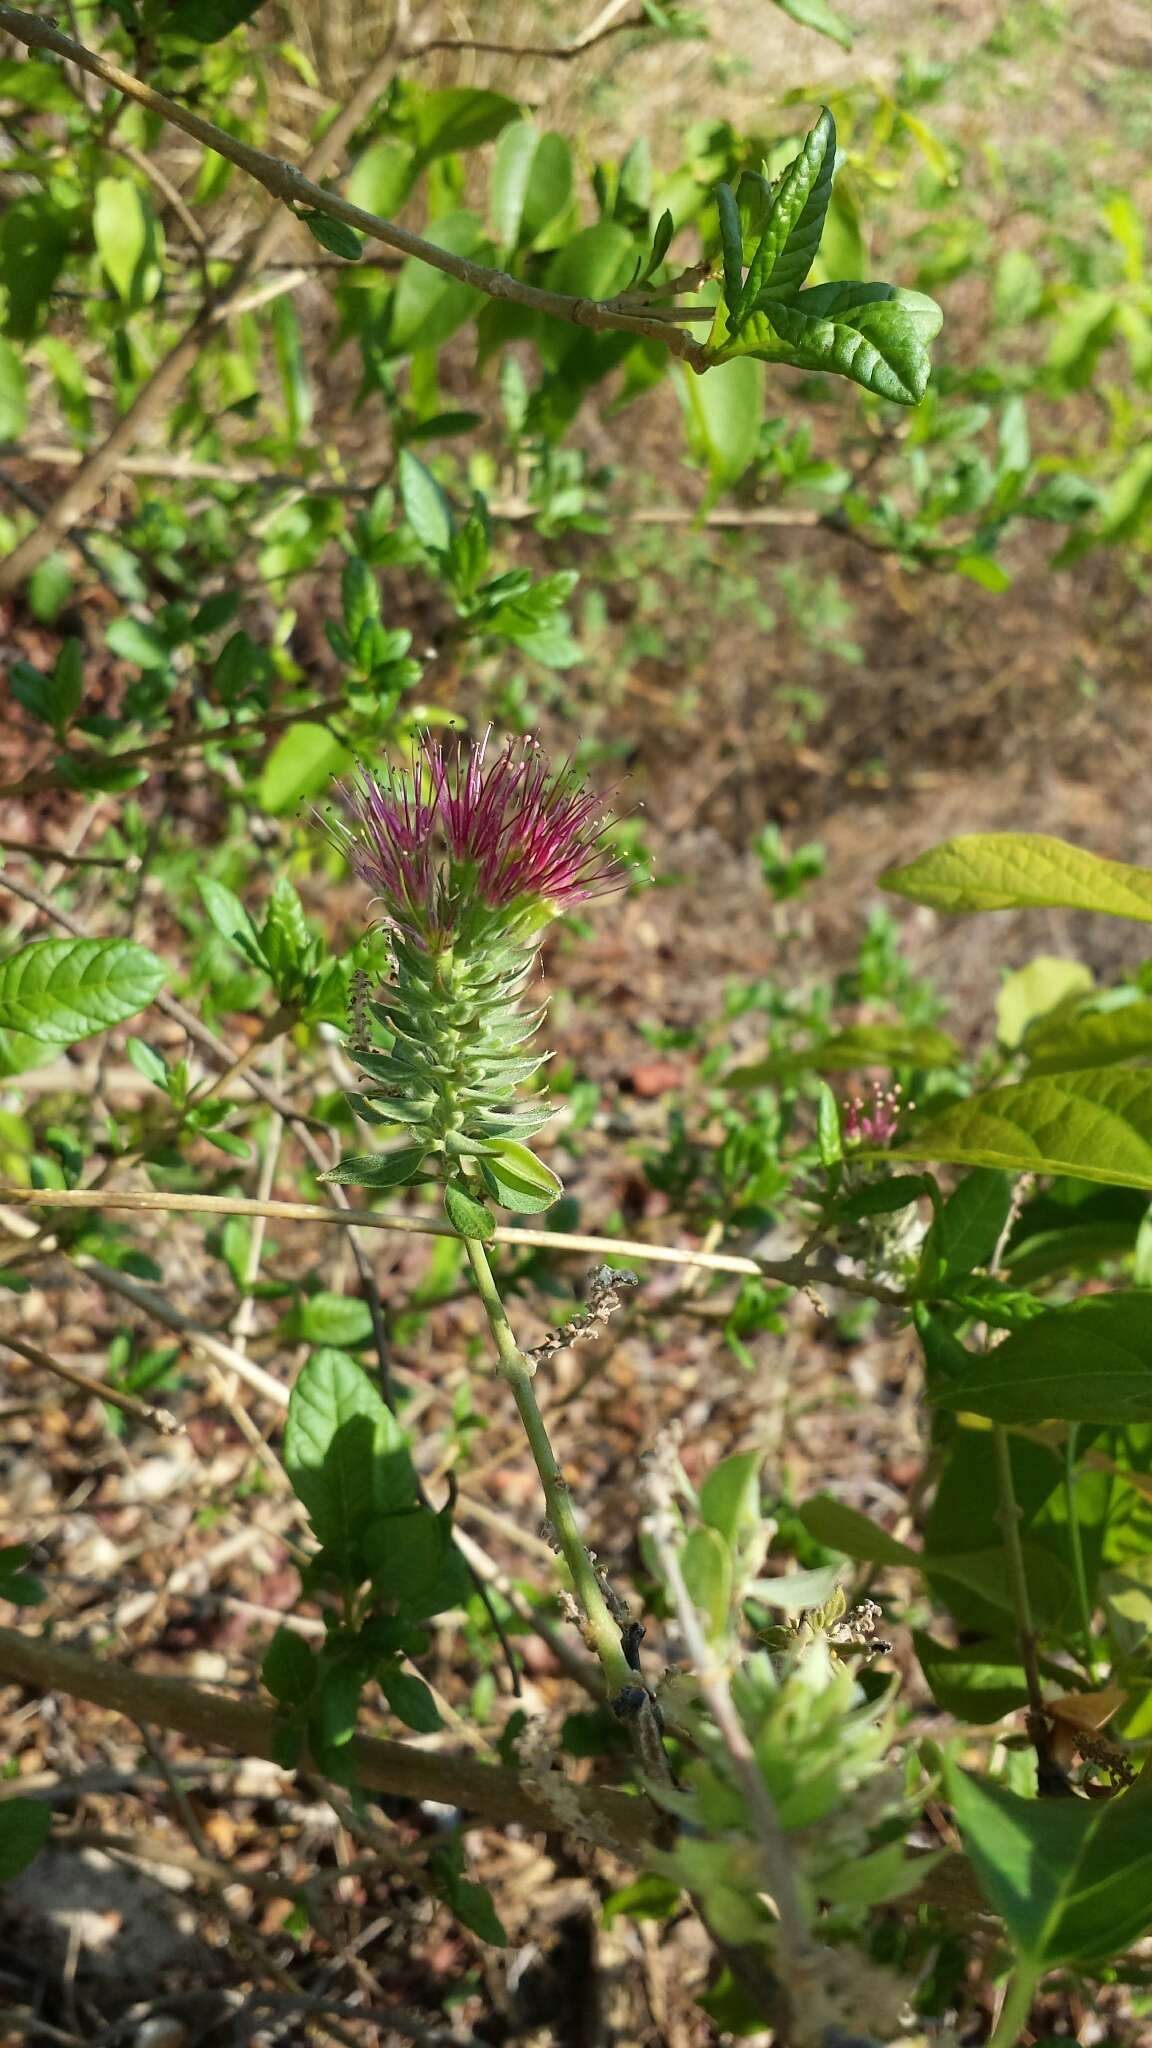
pixel 796 1273
pixel 140 1411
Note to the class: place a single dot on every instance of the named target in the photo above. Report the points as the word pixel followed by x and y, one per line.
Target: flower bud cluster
pixel 468 859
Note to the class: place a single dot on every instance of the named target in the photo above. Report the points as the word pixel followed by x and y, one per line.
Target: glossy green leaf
pixel 530 185
pixel 1071 1878
pixel 1090 1361
pixel 461 117
pixel 1022 871
pixel 335 235
pixel 129 239
pixel 818 15
pixel 429 307
pixel 725 405
pixel 731 244
pixel 968 1228
pixel 877 335
pixel 25 1825
pixel 425 506
pixel 343 1451
pixel 304 761
pixel 518 1179
pixel 788 246
pixel 59 990
pixel 1096 1126
pixel 980 1683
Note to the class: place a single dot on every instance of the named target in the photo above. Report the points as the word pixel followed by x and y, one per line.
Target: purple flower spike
pixel 451 831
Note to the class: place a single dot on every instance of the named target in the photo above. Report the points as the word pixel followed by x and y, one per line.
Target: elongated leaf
pixel 1097 1126
pixel 13 393
pixel 1071 1878
pixel 1032 991
pixel 1022 871
pixel 531 184
pixel 877 335
pixel 726 406
pixel 1088 1362
pixel 1090 1038
pixel 846 1529
pixel 967 1230
pixel 343 1451
pixel 791 238
pixel 377 1169
pixel 428 307
pixel 862 1045
pixel 303 761
pixel 518 1180
pixel 461 117
pixel 819 15
pixel 425 506
pixel 59 990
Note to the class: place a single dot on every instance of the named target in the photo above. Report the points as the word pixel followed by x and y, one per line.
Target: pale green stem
pixel 1009 1518
pixel 1080 1577
pixel 1015 2009
pixel 514 1367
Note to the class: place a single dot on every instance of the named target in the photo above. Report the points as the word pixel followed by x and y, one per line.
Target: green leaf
pixel 1022 871
pixel 59 990
pixel 1090 1361
pixel 980 1683
pixel 25 1825
pixel 409 1699
pixel 13 395
pixel 1094 1126
pixel 725 405
pixel 468 1217
pixel 382 177
pixel 845 1529
pixel 596 262
pixel 530 185
pixel 460 117
pixel 377 1169
pixel 967 1230
pixel 289 1671
pixel 414 1562
pixel 706 1562
pixel 425 506
pixel 1079 1037
pixel 335 235
pixel 799 1592
pixel 730 1496
pixel 334 1319
pixel 819 15
pixel 863 1045
pixel 519 1180
pixel 1071 1878
pixel 428 307
pixel 791 237
pixel 338 1706
pixel 300 765
pixel 228 915
pixel 829 1136
pixel 1033 990
pixel 343 1451
pixel 129 239
pixel 209 21
pixel 878 335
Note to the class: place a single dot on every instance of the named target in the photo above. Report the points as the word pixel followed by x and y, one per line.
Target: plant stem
pixel 1083 1603
pixel 1009 1519
pixel 514 1367
pixel 1015 2009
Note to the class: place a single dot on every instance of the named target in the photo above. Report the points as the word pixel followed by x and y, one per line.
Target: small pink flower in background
pixel 877 1123
pixel 453 830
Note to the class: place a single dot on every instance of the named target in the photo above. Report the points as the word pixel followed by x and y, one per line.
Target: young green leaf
pixel 377 1169
pixel 518 1180
pixel 1022 871
pixel 877 335
pixel 302 763
pixel 335 235
pixel 343 1451
pixel 818 15
pixel 791 238
pixel 467 1215
pixel 409 1699
pixel 59 990
pixel 425 506
pixel 731 244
